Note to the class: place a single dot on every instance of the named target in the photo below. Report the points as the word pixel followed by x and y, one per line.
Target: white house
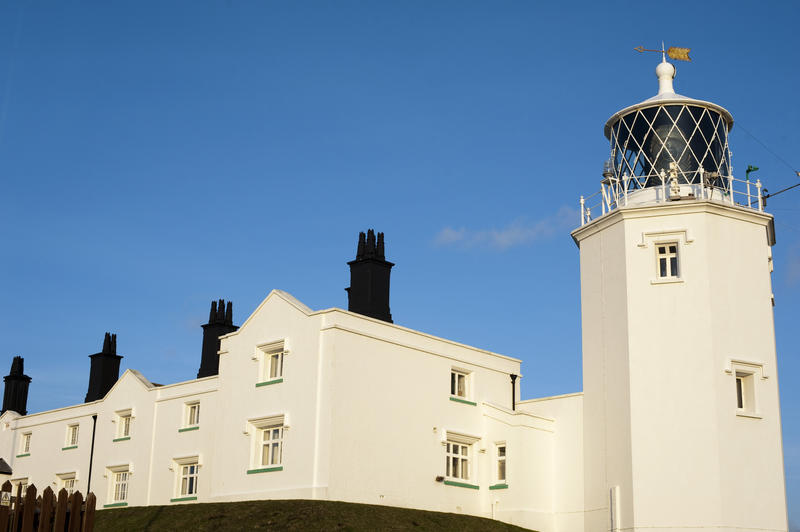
pixel 678 427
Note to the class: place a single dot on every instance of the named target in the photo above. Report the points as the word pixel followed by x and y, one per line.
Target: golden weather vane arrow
pixel 674 52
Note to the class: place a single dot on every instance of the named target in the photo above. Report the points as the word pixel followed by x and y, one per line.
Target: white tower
pixel 682 426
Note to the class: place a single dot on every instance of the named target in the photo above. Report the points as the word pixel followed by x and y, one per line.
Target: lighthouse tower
pixel 682 427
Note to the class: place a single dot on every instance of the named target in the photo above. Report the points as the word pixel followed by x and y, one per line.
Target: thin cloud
pixel 520 232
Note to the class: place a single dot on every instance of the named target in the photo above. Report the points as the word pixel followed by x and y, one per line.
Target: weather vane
pixel 674 52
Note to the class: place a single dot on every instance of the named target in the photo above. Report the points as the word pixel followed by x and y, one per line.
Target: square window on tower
pixel 667 260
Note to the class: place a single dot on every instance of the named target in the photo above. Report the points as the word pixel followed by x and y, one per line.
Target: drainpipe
pixel 513 392
pixel 91 455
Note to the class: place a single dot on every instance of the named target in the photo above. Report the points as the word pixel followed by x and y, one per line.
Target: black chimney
pixel 220 323
pixel 368 293
pixel 15 396
pixel 105 369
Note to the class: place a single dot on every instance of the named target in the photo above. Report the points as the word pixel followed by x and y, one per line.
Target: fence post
pixel 46 513
pixel 583 211
pixel 16 516
pixel 75 512
pixel 88 516
pixel 5 505
pixel 61 510
pixel 29 509
pixel 760 198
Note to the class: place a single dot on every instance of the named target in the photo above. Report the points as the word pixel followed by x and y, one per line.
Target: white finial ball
pixel 665 70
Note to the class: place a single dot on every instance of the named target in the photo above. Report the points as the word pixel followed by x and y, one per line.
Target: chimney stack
pixel 104 371
pixel 15 396
pixel 220 323
pixel 368 293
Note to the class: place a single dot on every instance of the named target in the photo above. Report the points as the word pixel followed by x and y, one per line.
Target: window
pixel 747 374
pixel 23 482
pixel 271 446
pixel 457 460
pixel 272 356
pixel 121 486
pixel 124 424
pixel 119 478
pixel 667 255
pixel 187 473
pixel 745 397
pixel 268 437
pixel 192 414
pixel 501 462
pixel 188 480
pixel 25 445
pixel 458 383
pixel 67 482
pixel 72 437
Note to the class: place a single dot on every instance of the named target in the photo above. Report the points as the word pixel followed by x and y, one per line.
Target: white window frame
pixel 272 362
pixel 463 376
pixel 124 420
pixel 186 469
pixel 262 434
pixel 16 482
pixel 501 460
pixel 192 416
pixel 667 256
pixel 119 476
pixel 68 481
pixel 454 444
pixel 458 458
pixel 748 375
pixel 25 443
pixel 73 431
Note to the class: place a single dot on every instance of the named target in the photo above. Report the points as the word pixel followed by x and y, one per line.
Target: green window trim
pixel 183 499
pixel 124 438
pixel 267 383
pixel 461 484
pixel 502 486
pixel 264 470
pixel 69 447
pixel 23 455
pixel 115 505
pixel 460 400
pixel 187 429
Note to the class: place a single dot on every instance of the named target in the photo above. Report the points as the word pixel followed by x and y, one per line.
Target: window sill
pixel 464 401
pixel 69 447
pixel 667 281
pixel 752 415
pixel 264 470
pixel 23 455
pixel 187 429
pixel 115 505
pixel 267 383
pixel 184 499
pixel 461 484
pixel 124 438
pixel 502 486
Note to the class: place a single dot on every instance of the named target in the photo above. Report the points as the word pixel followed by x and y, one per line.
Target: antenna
pixel 674 52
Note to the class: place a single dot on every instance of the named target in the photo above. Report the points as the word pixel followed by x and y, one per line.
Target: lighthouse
pixel 682 426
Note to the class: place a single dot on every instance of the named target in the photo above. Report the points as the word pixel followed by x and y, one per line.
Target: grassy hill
pixel 289 515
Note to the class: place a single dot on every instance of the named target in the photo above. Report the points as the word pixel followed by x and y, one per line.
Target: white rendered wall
pixel 655 360
pixel 567 457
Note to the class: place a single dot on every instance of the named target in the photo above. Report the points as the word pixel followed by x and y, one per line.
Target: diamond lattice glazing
pixel 645 141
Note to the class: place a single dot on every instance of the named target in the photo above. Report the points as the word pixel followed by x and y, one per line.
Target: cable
pixel 781 159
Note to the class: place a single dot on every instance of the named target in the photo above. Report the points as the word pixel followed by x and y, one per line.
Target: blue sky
pixel 157 155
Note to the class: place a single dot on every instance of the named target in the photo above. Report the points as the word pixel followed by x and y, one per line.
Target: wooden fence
pixel 45 513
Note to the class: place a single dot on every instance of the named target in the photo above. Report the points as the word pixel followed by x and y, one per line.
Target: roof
pixel 666 96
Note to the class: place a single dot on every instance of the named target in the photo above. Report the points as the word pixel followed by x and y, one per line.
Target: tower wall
pixel 660 362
